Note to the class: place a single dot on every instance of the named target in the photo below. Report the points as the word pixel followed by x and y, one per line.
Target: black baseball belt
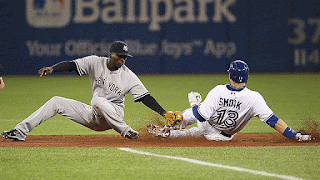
pixel 222 133
pixel 225 134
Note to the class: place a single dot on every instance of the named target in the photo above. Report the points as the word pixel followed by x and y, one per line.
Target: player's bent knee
pixel 96 103
pixel 55 98
pixel 101 104
pixel 57 102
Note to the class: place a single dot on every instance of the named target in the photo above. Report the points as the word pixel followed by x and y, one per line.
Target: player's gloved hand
pixel 194 98
pixel 45 71
pixel 301 137
pixel 173 118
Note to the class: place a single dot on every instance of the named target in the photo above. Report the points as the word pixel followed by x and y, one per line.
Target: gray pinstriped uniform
pixel 107 105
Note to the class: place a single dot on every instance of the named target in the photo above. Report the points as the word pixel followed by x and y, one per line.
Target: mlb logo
pixel 48 13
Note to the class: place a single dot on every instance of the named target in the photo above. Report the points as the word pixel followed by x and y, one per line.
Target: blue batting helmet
pixel 239 71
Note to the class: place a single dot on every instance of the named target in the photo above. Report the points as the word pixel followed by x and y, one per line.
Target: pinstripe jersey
pixel 229 110
pixel 112 85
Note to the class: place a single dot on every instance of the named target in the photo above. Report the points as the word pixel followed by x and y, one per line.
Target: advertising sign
pixel 164 36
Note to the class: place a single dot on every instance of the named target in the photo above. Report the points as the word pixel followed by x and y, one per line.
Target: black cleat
pixel 13 134
pixel 132 134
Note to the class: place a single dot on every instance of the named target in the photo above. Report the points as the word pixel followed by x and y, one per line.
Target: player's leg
pixel 202 129
pixel 72 109
pixel 188 119
pixel 113 116
pixel 214 134
pixel 179 130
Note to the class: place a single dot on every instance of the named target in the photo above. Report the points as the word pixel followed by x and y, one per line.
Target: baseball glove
pixel 173 118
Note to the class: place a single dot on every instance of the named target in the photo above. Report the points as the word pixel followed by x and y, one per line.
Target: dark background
pixel 271 36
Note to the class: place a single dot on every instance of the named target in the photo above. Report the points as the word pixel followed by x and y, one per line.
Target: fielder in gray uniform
pixel 110 79
pixel 225 111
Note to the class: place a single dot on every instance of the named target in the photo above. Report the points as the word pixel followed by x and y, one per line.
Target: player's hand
pixel 173 118
pixel 194 98
pixel 1 83
pixel 301 137
pixel 45 71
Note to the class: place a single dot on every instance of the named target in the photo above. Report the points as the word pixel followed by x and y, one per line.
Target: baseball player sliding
pixel 111 80
pixel 225 111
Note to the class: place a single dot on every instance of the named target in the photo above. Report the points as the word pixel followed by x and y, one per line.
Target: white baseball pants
pixel 202 129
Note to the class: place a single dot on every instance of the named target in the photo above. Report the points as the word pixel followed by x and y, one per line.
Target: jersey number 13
pixel 227 118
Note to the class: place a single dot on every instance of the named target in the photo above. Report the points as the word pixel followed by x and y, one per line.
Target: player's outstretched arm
pixel 59 67
pixel 285 130
pixel 172 118
pixel 152 103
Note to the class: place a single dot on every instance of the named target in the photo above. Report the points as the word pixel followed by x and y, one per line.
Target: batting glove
pixel 301 137
pixel 194 98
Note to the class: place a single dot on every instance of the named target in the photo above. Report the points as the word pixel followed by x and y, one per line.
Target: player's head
pixel 120 48
pixel 239 71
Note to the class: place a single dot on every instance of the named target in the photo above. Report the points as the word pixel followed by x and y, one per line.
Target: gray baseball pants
pixel 100 116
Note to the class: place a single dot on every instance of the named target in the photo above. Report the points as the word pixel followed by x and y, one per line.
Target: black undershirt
pixel 150 102
pixel 147 100
pixel 64 66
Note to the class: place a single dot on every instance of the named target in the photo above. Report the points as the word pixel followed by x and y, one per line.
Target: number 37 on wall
pixel 299 28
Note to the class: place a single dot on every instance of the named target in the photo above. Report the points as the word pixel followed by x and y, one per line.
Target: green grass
pixel 293 97
pixel 111 163
pixel 300 162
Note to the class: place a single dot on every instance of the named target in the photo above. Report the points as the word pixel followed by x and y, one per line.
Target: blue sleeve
pixel 196 114
pixel 289 133
pixel 272 120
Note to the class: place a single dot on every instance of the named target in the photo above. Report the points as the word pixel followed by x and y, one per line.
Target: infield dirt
pixel 92 141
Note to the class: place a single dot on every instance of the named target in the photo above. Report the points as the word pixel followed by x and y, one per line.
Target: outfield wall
pixel 165 36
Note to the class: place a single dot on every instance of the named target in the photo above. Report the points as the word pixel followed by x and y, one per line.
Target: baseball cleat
pixel 131 134
pixel 13 134
pixel 157 131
